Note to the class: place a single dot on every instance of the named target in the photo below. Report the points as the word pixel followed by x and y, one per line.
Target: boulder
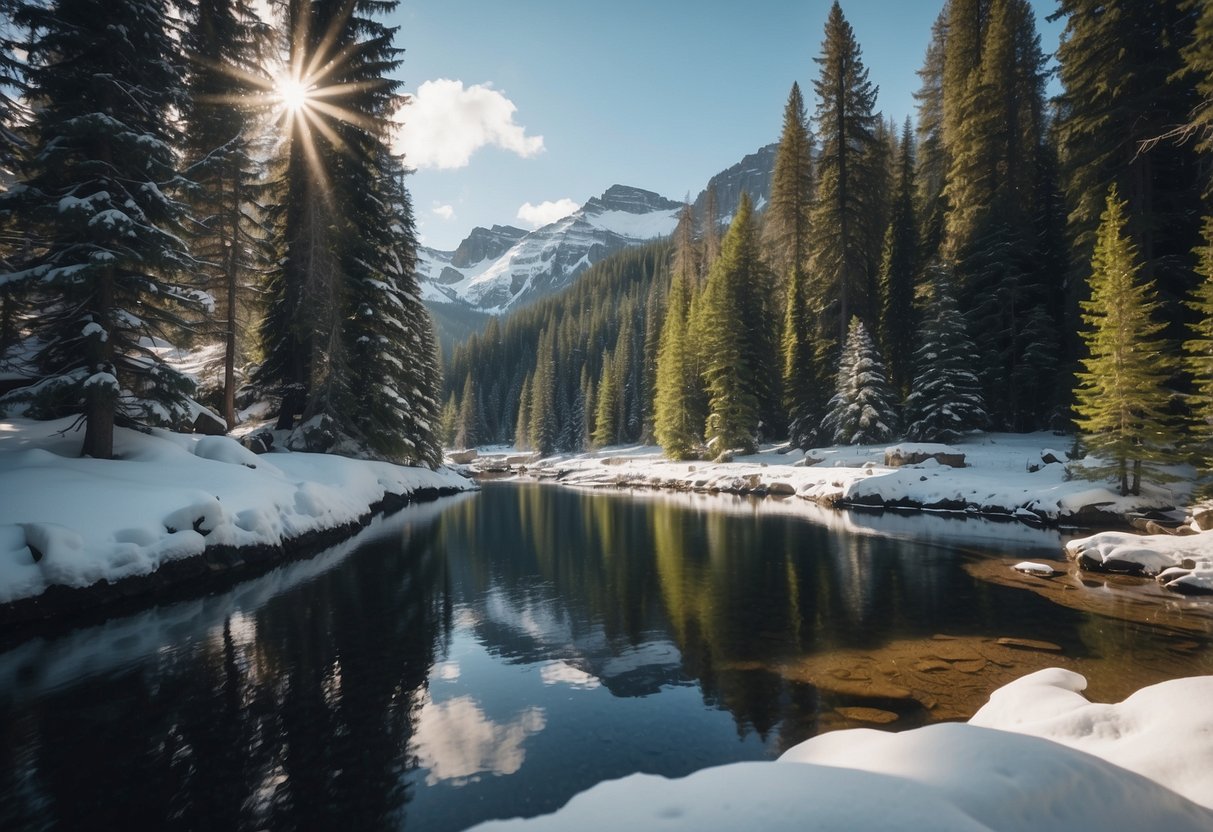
pixel 463 457
pixel 899 456
pixel 259 441
pixel 206 422
pixel 1203 518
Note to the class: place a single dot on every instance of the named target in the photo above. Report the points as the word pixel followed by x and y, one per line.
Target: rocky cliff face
pixel 751 175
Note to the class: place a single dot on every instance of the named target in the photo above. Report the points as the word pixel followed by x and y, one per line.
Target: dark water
pixel 488 656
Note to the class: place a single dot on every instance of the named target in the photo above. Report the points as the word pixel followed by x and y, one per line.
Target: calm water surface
pixel 491 655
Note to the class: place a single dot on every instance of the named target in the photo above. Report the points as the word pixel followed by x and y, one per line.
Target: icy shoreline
pixel 172 510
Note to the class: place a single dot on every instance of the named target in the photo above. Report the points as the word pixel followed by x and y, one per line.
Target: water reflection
pixel 491 656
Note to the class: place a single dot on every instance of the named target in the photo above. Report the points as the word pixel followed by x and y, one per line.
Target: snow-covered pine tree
pixel 394 364
pixel 863 409
pixel 1121 400
pixel 107 78
pixel 945 401
pixel 14 116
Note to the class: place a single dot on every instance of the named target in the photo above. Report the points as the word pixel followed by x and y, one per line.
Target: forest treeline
pixel 1006 262
pixel 185 174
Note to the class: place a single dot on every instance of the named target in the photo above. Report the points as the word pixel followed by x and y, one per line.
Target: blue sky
pixel 654 93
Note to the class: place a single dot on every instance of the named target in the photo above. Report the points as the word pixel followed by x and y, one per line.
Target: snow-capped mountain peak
pixel 495 269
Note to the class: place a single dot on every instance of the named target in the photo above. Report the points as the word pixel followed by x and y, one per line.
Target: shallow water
pixel 491 655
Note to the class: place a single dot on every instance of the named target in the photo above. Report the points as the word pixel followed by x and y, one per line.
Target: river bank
pixel 1017 477
pixel 170 510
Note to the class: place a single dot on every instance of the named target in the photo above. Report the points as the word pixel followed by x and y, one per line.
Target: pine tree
pixel 931 175
pixel 606 430
pixel 467 426
pixel 945 400
pixel 224 39
pixel 1198 63
pixel 1198 354
pixel 710 233
pixel 543 429
pixel 785 231
pixel 449 421
pixel 843 208
pixel 727 338
pixel 1121 86
pixel 787 239
pixel 677 421
pixel 898 270
pixel 94 188
pixel 862 411
pixel 522 425
pixel 1121 399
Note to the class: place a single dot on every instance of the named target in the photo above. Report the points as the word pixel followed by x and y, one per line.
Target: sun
pixel 293 93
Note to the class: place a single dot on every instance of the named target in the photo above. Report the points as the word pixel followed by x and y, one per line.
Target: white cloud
pixel 445 123
pixel 447 212
pixel 537 216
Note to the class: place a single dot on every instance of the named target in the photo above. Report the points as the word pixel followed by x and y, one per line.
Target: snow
pixel 72 521
pixel 997 478
pixel 1182 562
pixel 1033 568
pixel 1038 758
pixel 636 226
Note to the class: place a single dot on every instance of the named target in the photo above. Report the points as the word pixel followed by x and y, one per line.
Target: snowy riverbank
pixel 173 506
pixel 1183 563
pixel 1039 757
pixel 1021 475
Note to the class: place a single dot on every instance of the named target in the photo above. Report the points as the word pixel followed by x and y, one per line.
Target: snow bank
pixel 1058 763
pixel 68 521
pixel 1003 474
pixel 1181 562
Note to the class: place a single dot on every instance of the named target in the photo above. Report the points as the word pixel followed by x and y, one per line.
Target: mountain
pixel 501 268
pixel 751 175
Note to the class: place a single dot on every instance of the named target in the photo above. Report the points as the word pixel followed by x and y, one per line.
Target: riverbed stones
pixel 873 715
pixel 1030 644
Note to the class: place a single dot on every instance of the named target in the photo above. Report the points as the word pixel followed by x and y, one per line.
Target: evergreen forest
pixel 1008 261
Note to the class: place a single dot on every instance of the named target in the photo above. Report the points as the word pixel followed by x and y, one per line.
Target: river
pixel 490 655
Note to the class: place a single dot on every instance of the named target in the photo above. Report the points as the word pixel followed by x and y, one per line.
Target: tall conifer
pixel 1121 399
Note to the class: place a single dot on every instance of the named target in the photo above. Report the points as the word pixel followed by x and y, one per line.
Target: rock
pixel 898 457
pixel 1203 518
pixel 463 457
pixel 781 489
pixel 1049 456
pixel 874 715
pixel 519 459
pixel 259 441
pixel 1030 644
pixel 1032 568
pixel 206 422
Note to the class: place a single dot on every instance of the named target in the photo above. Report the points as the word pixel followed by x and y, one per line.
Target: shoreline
pixel 215 568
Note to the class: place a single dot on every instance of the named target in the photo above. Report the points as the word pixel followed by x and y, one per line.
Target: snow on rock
pixel 1038 758
pixel 1149 554
pixel 73 521
pixel 1163 732
pixel 1033 568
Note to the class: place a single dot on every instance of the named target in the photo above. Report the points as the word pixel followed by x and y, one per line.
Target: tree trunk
pixel 229 351
pixel 100 401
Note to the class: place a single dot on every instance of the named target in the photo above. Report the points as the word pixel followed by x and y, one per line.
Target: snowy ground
pixel 70 521
pixel 1038 757
pixel 998 477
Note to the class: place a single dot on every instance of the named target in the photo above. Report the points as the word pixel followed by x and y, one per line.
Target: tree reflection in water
pixel 491 656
